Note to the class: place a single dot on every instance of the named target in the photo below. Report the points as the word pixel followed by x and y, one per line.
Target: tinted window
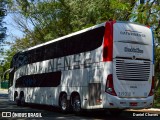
pixel 52 79
pixel 83 42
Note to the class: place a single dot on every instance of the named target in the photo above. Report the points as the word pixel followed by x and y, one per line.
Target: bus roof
pixel 76 33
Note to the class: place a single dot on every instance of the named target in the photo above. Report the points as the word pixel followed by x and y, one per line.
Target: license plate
pixel 133 103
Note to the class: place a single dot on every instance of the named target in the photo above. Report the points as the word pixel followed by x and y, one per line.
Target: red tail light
pixel 152 87
pixel 108 42
pixel 109 85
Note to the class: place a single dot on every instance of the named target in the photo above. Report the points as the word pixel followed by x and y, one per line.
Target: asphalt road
pixel 42 112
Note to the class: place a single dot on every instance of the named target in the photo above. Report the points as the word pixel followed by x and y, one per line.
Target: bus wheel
pixel 76 104
pixel 17 101
pixel 22 99
pixel 63 103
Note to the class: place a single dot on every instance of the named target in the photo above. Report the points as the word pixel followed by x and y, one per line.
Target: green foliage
pixel 55 18
pixel 50 19
pixel 157 59
pixel 2 32
pixel 148 14
pixel 157 91
pixel 2 15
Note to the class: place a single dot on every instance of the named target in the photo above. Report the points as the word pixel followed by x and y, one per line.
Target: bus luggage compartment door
pixel 94 94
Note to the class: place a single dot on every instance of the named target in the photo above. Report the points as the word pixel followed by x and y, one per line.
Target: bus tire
pixel 16 98
pixel 63 103
pixel 15 95
pixel 76 104
pixel 22 99
pixel 17 101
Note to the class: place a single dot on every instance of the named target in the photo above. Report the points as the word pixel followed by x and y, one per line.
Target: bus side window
pixel 29 55
pixel 39 52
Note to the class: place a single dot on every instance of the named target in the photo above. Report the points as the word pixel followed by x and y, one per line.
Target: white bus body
pixel 116 72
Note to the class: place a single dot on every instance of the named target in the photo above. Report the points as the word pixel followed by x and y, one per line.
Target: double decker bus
pixel 110 65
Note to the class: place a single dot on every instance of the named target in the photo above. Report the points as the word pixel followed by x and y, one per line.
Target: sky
pixel 11 32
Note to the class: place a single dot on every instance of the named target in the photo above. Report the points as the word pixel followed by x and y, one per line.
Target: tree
pixel 2 34
pixel 157 59
pixel 2 14
pixel 148 13
pixel 2 28
pixel 43 20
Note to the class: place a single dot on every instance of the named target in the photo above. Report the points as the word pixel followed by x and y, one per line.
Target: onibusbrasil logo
pixel 21 115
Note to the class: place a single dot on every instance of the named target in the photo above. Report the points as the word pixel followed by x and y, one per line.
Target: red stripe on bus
pixel 108 41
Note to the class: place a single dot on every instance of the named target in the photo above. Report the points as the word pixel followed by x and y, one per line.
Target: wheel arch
pixel 15 95
pixel 61 93
pixel 73 94
pixel 21 94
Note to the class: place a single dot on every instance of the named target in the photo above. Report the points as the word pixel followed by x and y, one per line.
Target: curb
pixel 154 109
pixel 3 91
pixel 144 110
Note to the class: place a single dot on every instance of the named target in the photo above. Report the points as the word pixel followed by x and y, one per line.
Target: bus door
pixel 94 87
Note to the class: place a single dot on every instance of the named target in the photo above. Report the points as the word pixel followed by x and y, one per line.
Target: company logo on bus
pixel 133 33
pixel 134 50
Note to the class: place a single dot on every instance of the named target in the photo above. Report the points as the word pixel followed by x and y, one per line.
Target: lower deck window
pixel 51 79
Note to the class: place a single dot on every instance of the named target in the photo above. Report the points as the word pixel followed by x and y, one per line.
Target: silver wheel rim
pixel 77 105
pixel 63 103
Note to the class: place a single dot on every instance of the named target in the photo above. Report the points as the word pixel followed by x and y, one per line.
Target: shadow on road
pixel 50 112
pixel 96 114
